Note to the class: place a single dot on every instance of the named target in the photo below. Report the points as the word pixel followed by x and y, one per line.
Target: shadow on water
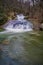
pixel 21 49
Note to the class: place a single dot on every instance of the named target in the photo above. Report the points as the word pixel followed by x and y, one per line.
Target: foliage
pixel 3 18
pixel 34 11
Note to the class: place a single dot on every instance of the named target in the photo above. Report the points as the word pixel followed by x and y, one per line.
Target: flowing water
pixel 18 25
pixel 21 47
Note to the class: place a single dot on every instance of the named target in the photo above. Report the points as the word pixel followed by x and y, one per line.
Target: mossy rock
pixel 1 29
pixel 5 42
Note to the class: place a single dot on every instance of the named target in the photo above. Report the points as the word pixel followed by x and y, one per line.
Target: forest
pixel 32 9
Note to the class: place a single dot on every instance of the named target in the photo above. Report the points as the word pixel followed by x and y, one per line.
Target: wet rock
pixel 0 54
pixel 41 27
pixel 5 42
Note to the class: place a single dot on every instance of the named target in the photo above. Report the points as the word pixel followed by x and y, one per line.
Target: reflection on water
pixel 21 49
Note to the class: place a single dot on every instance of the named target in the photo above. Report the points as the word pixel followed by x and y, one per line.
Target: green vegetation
pixel 3 18
pixel 34 11
pixel 1 29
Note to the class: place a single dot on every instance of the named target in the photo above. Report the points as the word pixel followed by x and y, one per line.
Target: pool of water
pixel 21 48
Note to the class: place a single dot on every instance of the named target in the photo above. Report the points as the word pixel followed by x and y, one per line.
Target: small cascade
pixel 18 25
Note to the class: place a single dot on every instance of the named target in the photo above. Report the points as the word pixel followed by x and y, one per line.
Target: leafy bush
pixel 3 18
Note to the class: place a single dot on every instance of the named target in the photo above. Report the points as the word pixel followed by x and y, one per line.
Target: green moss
pixel 1 29
pixel 3 18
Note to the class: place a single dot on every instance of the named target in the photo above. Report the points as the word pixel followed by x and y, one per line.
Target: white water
pixel 18 25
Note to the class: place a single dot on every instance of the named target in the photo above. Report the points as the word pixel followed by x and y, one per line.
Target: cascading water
pixel 18 25
pixel 20 48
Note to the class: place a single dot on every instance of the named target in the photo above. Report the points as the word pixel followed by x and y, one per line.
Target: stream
pixel 21 48
pixel 19 44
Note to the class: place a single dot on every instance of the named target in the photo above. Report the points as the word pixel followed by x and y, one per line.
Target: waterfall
pixel 18 25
